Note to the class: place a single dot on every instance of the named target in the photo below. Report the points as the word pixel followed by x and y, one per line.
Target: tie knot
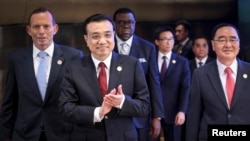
pixel 102 65
pixel 228 70
pixel 164 57
pixel 124 44
pixel 42 54
pixel 200 63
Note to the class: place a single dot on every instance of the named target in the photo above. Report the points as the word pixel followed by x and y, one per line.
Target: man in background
pixel 130 44
pixel 183 45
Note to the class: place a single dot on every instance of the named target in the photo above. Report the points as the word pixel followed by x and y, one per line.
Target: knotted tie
pixel 102 79
pixel 200 64
pixel 41 74
pixel 179 49
pixel 124 48
pixel 163 67
pixel 229 85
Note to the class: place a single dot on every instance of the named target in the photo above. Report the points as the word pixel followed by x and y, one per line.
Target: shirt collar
pixel 119 41
pixel 107 61
pixel 49 50
pixel 222 67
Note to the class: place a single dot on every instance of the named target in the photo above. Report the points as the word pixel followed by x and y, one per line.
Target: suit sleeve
pixel 154 86
pixel 194 111
pixel 9 105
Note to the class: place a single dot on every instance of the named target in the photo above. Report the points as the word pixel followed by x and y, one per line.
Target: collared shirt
pixel 223 75
pixel 120 42
pixel 160 60
pixel 185 41
pixel 36 59
pixel 107 62
pixel 203 61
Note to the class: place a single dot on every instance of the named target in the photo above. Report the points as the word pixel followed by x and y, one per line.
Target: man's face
pixel 200 48
pixel 180 33
pixel 165 42
pixel 42 29
pixel 100 39
pixel 125 25
pixel 226 44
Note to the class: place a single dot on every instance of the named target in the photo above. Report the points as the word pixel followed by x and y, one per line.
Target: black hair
pixel 218 26
pixel 123 10
pixel 96 18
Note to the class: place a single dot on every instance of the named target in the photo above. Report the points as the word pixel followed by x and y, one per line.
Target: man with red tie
pixel 103 113
pixel 220 90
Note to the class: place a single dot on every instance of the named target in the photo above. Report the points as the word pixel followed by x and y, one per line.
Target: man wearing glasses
pixel 129 44
pixel 220 89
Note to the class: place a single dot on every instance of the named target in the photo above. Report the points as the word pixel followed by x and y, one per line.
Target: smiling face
pixel 226 44
pixel 42 30
pixel 100 38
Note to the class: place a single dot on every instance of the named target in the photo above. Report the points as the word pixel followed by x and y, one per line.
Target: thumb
pixel 119 89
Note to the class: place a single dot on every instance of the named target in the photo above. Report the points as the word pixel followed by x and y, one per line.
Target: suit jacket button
pixel 229 115
pixel 106 117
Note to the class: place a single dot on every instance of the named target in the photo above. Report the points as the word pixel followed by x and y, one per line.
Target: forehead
pixel 42 16
pixel 99 27
pixel 200 40
pixel 226 31
pixel 125 16
pixel 179 27
pixel 166 34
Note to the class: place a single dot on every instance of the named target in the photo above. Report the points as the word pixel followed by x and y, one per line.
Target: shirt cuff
pixel 97 117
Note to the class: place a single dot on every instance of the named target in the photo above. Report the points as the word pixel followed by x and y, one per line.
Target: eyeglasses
pixel 224 41
pixel 123 23
pixel 166 39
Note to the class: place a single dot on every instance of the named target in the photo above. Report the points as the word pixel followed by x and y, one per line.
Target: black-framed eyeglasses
pixel 123 23
pixel 166 39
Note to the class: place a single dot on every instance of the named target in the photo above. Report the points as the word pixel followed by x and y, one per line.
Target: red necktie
pixel 102 79
pixel 229 85
pixel 163 67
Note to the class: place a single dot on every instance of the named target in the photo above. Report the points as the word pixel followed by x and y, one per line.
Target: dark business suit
pixel 186 50
pixel 80 95
pixel 208 103
pixel 23 109
pixel 193 64
pixel 144 51
pixel 175 87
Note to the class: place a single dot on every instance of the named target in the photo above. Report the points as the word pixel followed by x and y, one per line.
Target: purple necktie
pixel 163 67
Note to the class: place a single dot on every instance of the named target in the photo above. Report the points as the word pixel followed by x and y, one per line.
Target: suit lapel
pixel 28 68
pixel 134 47
pixel 215 81
pixel 114 71
pixel 240 82
pixel 56 66
pixel 89 72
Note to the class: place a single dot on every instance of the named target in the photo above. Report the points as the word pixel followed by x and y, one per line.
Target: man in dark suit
pixel 110 116
pixel 26 115
pixel 201 51
pixel 211 100
pixel 184 43
pixel 175 84
pixel 144 51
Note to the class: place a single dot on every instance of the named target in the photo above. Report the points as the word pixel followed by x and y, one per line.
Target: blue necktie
pixel 41 74
pixel 200 64
pixel 163 67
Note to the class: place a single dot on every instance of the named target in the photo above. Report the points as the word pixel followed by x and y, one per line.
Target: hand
pixel 113 98
pixel 155 128
pixel 180 118
pixel 106 107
